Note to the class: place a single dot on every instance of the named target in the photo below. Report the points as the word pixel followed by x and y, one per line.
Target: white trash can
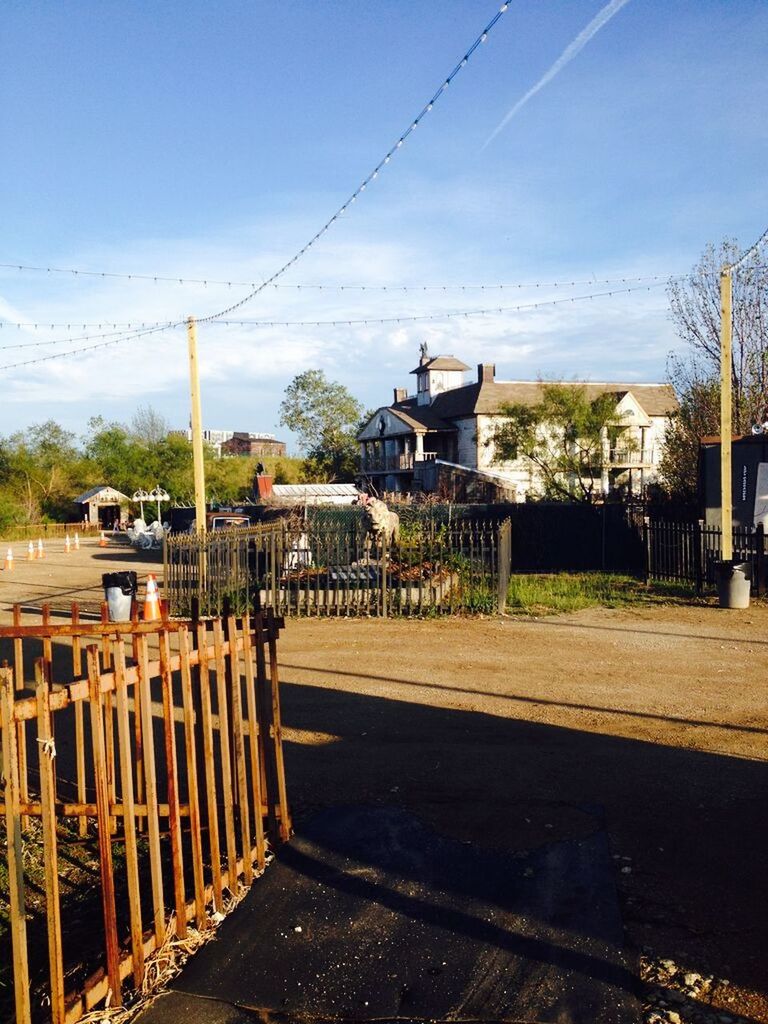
pixel 120 589
pixel 734 582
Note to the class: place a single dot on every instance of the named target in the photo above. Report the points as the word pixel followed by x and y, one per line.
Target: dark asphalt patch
pixel 367 914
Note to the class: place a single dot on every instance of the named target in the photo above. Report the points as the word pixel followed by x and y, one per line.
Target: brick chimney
pixel 485 373
pixel 400 394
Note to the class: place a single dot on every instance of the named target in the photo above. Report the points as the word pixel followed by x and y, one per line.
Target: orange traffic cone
pixel 67 544
pixel 40 551
pixel 102 540
pixel 31 552
pixel 151 602
pixel 77 543
pixel 9 560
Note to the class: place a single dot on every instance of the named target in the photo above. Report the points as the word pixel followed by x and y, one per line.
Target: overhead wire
pixel 372 175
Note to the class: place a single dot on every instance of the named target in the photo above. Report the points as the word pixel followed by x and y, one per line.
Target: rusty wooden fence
pixel 322 570
pixel 159 744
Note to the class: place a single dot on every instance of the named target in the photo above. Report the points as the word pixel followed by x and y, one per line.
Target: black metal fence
pixel 688 552
pixel 336 569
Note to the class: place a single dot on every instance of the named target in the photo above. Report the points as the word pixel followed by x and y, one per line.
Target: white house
pixel 448 424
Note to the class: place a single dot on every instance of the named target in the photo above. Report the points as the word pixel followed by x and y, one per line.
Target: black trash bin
pixel 120 589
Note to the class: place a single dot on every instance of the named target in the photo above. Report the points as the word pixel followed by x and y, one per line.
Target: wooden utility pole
pixel 726 416
pixel 197 427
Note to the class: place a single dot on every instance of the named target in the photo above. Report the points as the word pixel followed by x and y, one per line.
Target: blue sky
pixel 212 140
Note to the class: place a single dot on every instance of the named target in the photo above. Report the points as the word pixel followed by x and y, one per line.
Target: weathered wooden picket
pixel 338 571
pixel 160 743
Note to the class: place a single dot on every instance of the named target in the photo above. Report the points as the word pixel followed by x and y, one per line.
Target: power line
pixel 367 180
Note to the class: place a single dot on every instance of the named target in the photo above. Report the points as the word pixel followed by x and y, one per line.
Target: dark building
pixel 242 443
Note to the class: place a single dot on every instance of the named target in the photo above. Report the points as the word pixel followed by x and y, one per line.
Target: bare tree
pixel 149 426
pixel 694 303
pixel 694 370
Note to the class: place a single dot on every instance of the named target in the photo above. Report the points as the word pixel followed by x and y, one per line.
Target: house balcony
pixel 623 458
pixel 402 463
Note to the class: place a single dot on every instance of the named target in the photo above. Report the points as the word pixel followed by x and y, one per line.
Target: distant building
pixel 443 434
pixel 102 505
pixel 238 442
pixel 241 443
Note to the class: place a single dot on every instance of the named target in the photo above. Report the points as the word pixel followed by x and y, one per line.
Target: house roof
pixel 103 492
pixel 488 397
pixel 314 490
pixel 441 363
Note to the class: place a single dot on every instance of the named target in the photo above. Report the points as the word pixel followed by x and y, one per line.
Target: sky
pixel 583 141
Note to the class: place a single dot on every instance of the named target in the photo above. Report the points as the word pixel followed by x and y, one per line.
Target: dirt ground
pixel 513 733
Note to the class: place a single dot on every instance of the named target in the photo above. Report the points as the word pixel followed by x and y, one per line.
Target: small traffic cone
pixel 102 540
pixel 9 560
pixel 67 545
pixel 40 550
pixel 77 543
pixel 151 602
pixel 31 552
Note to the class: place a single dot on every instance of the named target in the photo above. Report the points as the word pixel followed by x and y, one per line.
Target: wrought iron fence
pixel 688 552
pixel 337 569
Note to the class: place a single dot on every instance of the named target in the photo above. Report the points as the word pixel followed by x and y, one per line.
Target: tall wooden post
pixel 726 416
pixel 197 426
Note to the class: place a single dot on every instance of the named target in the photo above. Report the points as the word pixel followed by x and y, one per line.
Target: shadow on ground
pixel 488 850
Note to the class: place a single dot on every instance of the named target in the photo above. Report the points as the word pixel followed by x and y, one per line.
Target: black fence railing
pixel 337 569
pixel 688 552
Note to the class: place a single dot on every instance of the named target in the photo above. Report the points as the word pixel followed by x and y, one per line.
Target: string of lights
pixel 90 348
pixel 520 285
pixel 417 317
pixel 122 334
pixel 750 252
pixel 343 321
pixel 414 124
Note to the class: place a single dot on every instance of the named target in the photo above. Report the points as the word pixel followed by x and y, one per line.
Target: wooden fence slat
pixel 77 671
pixel 105 845
pixel 129 819
pixel 192 788
pixel 14 852
pixel 264 718
pixel 153 824
pixel 238 742
pixel 226 755
pixel 277 728
pixel 46 754
pixel 172 780
pixel 254 740
pixel 211 800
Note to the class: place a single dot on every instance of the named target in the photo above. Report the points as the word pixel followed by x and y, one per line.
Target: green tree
pixel 325 417
pixel 563 436
pixel 694 370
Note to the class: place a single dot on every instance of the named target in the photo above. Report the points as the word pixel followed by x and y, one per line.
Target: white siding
pixel 467 443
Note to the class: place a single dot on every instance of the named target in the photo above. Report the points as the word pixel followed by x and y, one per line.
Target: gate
pixel 162 754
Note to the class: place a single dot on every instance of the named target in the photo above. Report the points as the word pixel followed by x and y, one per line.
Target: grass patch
pixel 570 592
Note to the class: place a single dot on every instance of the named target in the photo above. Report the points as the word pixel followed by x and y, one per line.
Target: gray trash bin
pixel 120 589
pixel 733 584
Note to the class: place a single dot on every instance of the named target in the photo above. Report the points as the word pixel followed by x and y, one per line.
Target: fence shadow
pixel 688 820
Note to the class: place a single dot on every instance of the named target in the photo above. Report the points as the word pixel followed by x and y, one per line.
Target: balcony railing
pixel 403 462
pixel 632 457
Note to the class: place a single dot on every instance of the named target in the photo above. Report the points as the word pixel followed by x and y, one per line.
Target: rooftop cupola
pixel 436 374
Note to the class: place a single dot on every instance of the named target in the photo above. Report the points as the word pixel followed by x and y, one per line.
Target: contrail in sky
pixel 571 50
